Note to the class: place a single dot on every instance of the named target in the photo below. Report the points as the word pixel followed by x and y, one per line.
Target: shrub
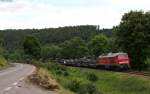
pixel 2 62
pixel 88 88
pixel 81 87
pixel 66 73
pixel 55 68
pixel 58 69
pixel 74 85
pixel 15 56
pixel 92 77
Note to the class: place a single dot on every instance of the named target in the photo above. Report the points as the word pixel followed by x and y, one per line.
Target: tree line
pixel 13 39
pixel 50 41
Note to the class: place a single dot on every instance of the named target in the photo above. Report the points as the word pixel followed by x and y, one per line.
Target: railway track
pixel 130 72
pixel 144 74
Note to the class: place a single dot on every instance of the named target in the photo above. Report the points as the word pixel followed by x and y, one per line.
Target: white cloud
pixel 27 14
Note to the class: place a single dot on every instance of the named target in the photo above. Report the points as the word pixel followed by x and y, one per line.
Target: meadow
pixel 91 81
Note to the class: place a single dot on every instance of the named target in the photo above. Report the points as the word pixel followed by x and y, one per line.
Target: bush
pixel 74 85
pixel 88 88
pixel 15 56
pixel 81 87
pixel 55 68
pixel 2 62
pixel 92 77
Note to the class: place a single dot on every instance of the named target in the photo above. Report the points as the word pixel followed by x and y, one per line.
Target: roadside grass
pixel 44 79
pixel 3 62
pixel 90 81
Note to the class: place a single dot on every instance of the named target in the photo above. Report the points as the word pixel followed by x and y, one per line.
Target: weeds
pixel 74 85
pixel 44 79
pixel 88 88
pixel 92 77
pixel 89 81
pixel 3 62
pixel 81 87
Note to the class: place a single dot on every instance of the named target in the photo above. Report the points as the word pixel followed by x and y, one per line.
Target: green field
pixel 90 81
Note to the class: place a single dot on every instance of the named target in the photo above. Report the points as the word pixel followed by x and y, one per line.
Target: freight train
pixel 119 61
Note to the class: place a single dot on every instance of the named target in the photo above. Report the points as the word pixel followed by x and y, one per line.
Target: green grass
pixel 147 61
pixel 103 82
pixel 3 62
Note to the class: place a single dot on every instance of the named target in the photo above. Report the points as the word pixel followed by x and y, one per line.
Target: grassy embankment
pixel 3 62
pixel 89 81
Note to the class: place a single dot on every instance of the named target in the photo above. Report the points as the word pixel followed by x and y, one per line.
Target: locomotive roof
pixel 110 55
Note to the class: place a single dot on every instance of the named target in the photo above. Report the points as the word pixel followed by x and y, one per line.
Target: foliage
pixel 108 82
pixel 74 48
pixel 147 62
pixel 92 77
pixel 98 45
pixel 2 51
pixel 133 37
pixel 1 41
pixel 80 87
pixel 50 52
pixel 88 88
pixel 74 85
pixel 113 46
pixel 3 62
pixel 13 39
pixel 15 56
pixel 32 47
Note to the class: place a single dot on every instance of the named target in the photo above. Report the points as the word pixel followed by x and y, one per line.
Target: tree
pixel 2 51
pixel 133 37
pixel 1 42
pixel 98 45
pixel 15 56
pixel 32 47
pixel 12 39
pixel 74 48
pixel 50 52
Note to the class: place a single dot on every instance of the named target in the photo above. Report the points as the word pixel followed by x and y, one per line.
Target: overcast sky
pixel 21 14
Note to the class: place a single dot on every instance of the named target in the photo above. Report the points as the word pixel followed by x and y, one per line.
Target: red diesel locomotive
pixel 111 60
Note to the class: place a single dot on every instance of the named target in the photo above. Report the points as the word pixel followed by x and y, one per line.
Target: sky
pixel 23 14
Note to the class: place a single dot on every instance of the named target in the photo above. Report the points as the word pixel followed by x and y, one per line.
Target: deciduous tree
pixel 133 37
pixel 98 45
pixel 74 48
pixel 32 47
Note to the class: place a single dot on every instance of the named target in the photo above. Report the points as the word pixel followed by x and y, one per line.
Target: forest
pixel 12 40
